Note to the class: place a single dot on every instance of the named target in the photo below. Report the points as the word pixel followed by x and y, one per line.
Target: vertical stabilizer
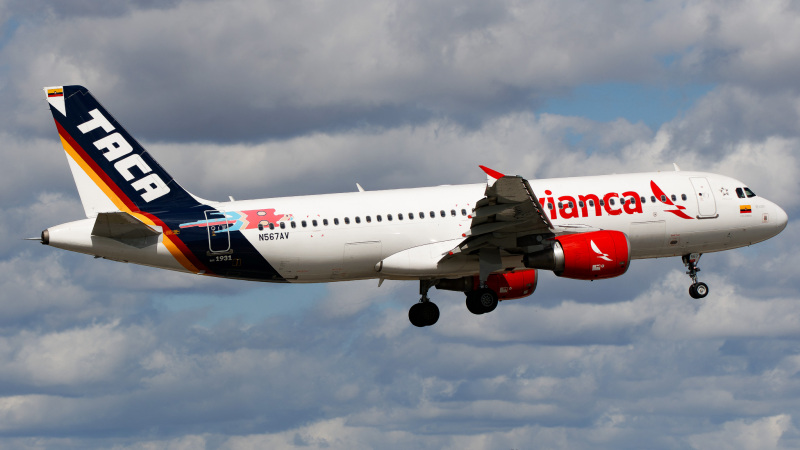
pixel 112 170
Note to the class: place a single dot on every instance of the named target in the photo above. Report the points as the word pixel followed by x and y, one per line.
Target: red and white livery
pixel 487 240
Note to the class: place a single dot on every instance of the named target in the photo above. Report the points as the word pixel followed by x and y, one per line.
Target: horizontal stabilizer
pixel 121 226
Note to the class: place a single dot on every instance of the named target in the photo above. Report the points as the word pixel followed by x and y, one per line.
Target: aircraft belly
pixel 337 255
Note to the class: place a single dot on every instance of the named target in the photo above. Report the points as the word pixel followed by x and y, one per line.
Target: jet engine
pixel 585 256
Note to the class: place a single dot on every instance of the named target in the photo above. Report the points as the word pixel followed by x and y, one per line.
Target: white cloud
pixel 82 356
pixel 764 433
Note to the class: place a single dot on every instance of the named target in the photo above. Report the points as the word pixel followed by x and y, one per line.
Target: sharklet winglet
pixel 492 173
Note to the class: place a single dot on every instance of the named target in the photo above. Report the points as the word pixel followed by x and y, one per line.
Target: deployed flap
pixel 121 226
pixel 509 216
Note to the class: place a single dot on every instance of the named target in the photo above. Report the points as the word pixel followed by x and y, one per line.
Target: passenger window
pixel 643 200
pixel 442 213
pixel 369 219
pixel 432 214
pixel 591 202
pixel 303 223
pixel 749 193
pixel 410 216
pixel 653 198
pixel 602 202
pixel 571 205
pixel 314 222
pixel 358 219
pixel 633 200
pixel 453 212
pixel 463 212
pixel 560 205
pixel 664 198
pixel 674 199
pixel 389 217
pixel 378 218
pixel 325 222
pixel 399 216
pixel 294 224
pixel 336 221
pixel 683 197
pixel 611 201
pixel 260 227
pixel 580 203
pixel 283 225
pixel 271 226
pixel 739 192
pixel 549 206
pixel 347 221
pixel 421 215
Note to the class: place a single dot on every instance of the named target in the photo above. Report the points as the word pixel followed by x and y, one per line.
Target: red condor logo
pixel 629 203
pixel 662 197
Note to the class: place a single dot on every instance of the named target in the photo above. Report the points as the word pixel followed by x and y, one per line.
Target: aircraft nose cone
pixel 782 219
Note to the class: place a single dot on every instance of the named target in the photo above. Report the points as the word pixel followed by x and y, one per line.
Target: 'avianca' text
pixel 630 203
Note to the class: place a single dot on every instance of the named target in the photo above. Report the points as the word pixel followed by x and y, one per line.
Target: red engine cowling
pixel 593 255
pixel 511 285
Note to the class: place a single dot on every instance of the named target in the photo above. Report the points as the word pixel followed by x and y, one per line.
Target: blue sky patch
pixel 606 102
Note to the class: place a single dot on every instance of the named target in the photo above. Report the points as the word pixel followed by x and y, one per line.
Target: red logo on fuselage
pixel 567 207
pixel 662 197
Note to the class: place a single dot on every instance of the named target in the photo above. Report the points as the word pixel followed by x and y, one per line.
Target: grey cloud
pixel 243 73
pixel 271 378
pixel 82 8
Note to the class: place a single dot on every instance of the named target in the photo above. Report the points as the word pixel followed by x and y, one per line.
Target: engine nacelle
pixel 585 256
pixel 508 286
pixel 511 285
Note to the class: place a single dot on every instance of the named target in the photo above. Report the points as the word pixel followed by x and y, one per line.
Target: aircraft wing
pixel 508 218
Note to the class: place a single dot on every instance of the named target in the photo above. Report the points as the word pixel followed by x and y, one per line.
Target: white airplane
pixel 487 240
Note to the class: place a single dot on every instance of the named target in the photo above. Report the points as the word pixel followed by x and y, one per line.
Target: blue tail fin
pixel 112 170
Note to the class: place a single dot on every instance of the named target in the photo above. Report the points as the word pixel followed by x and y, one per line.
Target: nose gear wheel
pixel 698 289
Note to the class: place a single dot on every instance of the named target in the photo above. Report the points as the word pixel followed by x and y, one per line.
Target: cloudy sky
pixel 271 98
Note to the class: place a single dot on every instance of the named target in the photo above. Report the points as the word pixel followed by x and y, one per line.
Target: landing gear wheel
pixel 698 290
pixel 415 315
pixel 423 314
pixel 488 299
pixel 481 301
pixel 473 304
pixel 430 312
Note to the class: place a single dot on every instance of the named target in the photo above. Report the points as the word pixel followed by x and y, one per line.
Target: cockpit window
pixel 739 192
pixel 749 193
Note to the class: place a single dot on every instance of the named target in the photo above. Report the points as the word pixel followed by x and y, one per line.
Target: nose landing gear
pixel 697 289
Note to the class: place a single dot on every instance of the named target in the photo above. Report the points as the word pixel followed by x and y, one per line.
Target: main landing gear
pixel 697 289
pixel 481 301
pixel 425 313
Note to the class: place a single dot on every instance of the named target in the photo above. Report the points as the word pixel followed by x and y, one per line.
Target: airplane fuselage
pixel 335 237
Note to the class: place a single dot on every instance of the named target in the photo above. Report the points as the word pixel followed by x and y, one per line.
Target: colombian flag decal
pixel 55 92
pixel 745 209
